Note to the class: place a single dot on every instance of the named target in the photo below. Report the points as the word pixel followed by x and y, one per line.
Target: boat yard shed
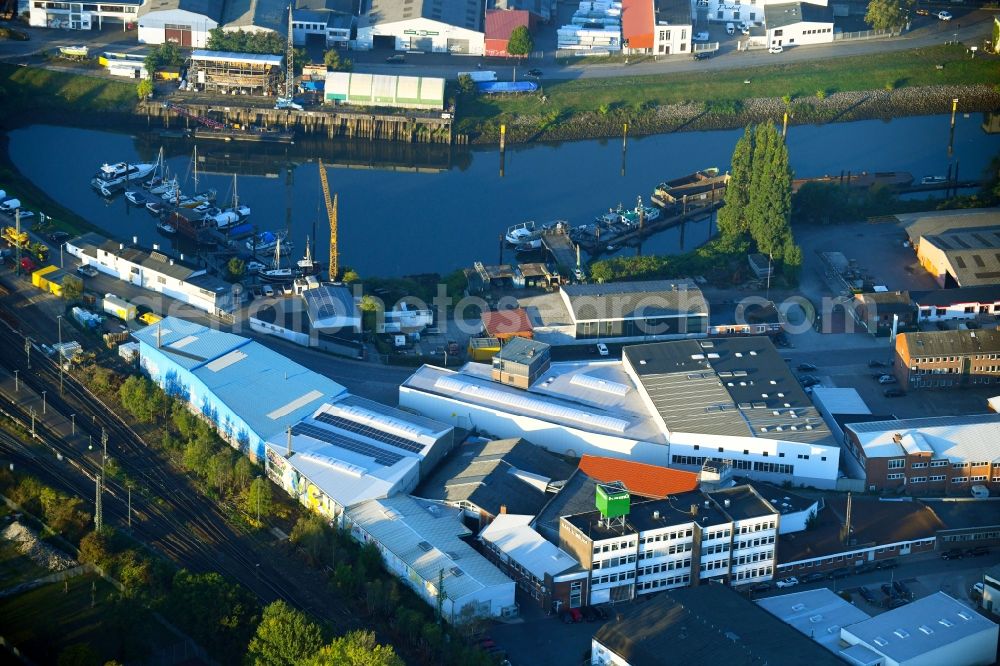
pixel 256 16
pixel 420 543
pixel 185 23
pixel 227 72
pixel 428 26
pixel 403 92
pixel 958 248
pixel 332 306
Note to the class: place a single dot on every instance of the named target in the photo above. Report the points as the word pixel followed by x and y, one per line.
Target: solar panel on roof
pixel 369 431
pixel 380 456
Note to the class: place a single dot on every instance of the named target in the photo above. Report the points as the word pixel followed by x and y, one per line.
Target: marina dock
pixel 696 210
pixel 558 244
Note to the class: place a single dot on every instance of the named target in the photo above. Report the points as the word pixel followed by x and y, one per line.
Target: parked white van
pixel 980 492
pixel 730 29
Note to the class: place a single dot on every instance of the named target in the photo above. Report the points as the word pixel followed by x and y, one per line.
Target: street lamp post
pixel 61 357
pixel 43 401
pixel 72 420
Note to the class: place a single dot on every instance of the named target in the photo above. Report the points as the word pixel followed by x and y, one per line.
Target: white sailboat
pixel 276 273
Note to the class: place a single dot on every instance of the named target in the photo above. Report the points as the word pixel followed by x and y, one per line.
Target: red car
pixel 576 614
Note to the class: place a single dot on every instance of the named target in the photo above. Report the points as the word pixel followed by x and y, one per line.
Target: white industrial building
pixel 818 613
pixel 958 303
pixel 931 631
pixel 351 450
pixel 156 271
pixel 681 403
pixel 567 410
pixel 420 543
pixel 798 23
pixel 837 402
pixel 82 15
pixel 438 26
pixel 182 22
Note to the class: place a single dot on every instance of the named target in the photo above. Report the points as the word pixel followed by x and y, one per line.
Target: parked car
pixel 808 380
pixel 978 551
pixel 744 28
pixel 866 594
pixel 842 572
pixel 589 615
pixel 792 581
pixel 760 587
pixel 730 29
pixel 953 554
pixel 890 563
pixel 602 349
pixel 894 393
pixel 601 613
pixel 775 48
pixel 923 12
pixel 87 270
pixel 700 36
pixel 806 367
pixel 901 589
pixel 576 614
pixel 944 16
pixel 977 591
pixel 812 577
pixel 887 590
pixel 267 290
pixel 865 568
pixel 534 73
pixel 396 59
pixel 887 379
pixel 876 364
pixel 702 55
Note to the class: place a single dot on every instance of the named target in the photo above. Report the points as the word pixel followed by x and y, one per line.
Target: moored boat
pixel 641 214
pixel 136 198
pixel 156 207
pixel 266 241
pixel 112 175
pixel 524 232
pixel 165 227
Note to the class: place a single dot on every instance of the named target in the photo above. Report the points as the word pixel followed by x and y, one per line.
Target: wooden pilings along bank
pixel 416 128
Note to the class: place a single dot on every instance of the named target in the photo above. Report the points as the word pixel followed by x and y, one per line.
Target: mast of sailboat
pixel 277 252
pixel 236 196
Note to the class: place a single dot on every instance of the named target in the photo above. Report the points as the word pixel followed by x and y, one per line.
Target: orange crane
pixel 331 212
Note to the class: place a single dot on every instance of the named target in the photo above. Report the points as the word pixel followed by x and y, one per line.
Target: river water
pixel 416 209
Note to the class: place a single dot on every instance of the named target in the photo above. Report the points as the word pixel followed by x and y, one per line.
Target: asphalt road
pixel 969 26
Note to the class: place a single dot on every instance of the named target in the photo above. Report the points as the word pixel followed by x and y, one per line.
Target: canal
pixel 417 209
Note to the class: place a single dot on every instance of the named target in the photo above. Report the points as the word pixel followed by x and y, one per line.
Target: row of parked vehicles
pixel 587 613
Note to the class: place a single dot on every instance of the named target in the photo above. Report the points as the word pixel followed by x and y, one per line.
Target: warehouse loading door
pixel 458 46
pixel 177 34
pixel 425 44
pixel 384 42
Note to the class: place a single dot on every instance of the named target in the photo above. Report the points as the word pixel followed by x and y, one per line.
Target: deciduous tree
pixel 258 498
pixel 334 62
pixel 284 637
pixel 357 648
pixel 888 14
pixel 520 42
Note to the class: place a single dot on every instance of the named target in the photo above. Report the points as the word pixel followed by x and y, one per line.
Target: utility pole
pixel 72 420
pixel 104 441
pixel 43 402
pixel 62 357
pixel 98 508
pixel 17 384
pixel 129 487
pixel 32 423
pixel 27 350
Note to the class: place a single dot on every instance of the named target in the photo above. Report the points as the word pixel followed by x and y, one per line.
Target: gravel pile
pixel 38 551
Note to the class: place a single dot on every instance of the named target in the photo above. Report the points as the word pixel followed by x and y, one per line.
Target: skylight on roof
pixel 597 384
pixel 224 362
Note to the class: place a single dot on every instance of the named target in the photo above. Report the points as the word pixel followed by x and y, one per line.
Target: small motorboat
pixel 165 227
pixel 156 208
pixel 136 198
pixel 933 180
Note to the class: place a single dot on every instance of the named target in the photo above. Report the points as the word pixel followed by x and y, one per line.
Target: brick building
pixel 877 311
pixel 942 359
pixel 947 454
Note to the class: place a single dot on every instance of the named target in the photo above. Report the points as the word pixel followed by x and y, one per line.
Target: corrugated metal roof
pixel 922 627
pixel 972 438
pixel 500 23
pixel 229 56
pixel 425 537
pixel 268 14
pixel 630 300
pixel 513 536
pixel 950 343
pixel 506 322
pixel 637 23
pixel 466 14
pixel 256 383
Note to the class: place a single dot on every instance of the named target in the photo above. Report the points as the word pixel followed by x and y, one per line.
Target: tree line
pixel 757 212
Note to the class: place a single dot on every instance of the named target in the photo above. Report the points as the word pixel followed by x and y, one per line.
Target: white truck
pixel 480 76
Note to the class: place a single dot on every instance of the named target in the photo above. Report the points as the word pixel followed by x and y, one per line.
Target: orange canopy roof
pixel 640 478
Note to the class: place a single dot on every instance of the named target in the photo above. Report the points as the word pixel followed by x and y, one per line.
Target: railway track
pixel 177 520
